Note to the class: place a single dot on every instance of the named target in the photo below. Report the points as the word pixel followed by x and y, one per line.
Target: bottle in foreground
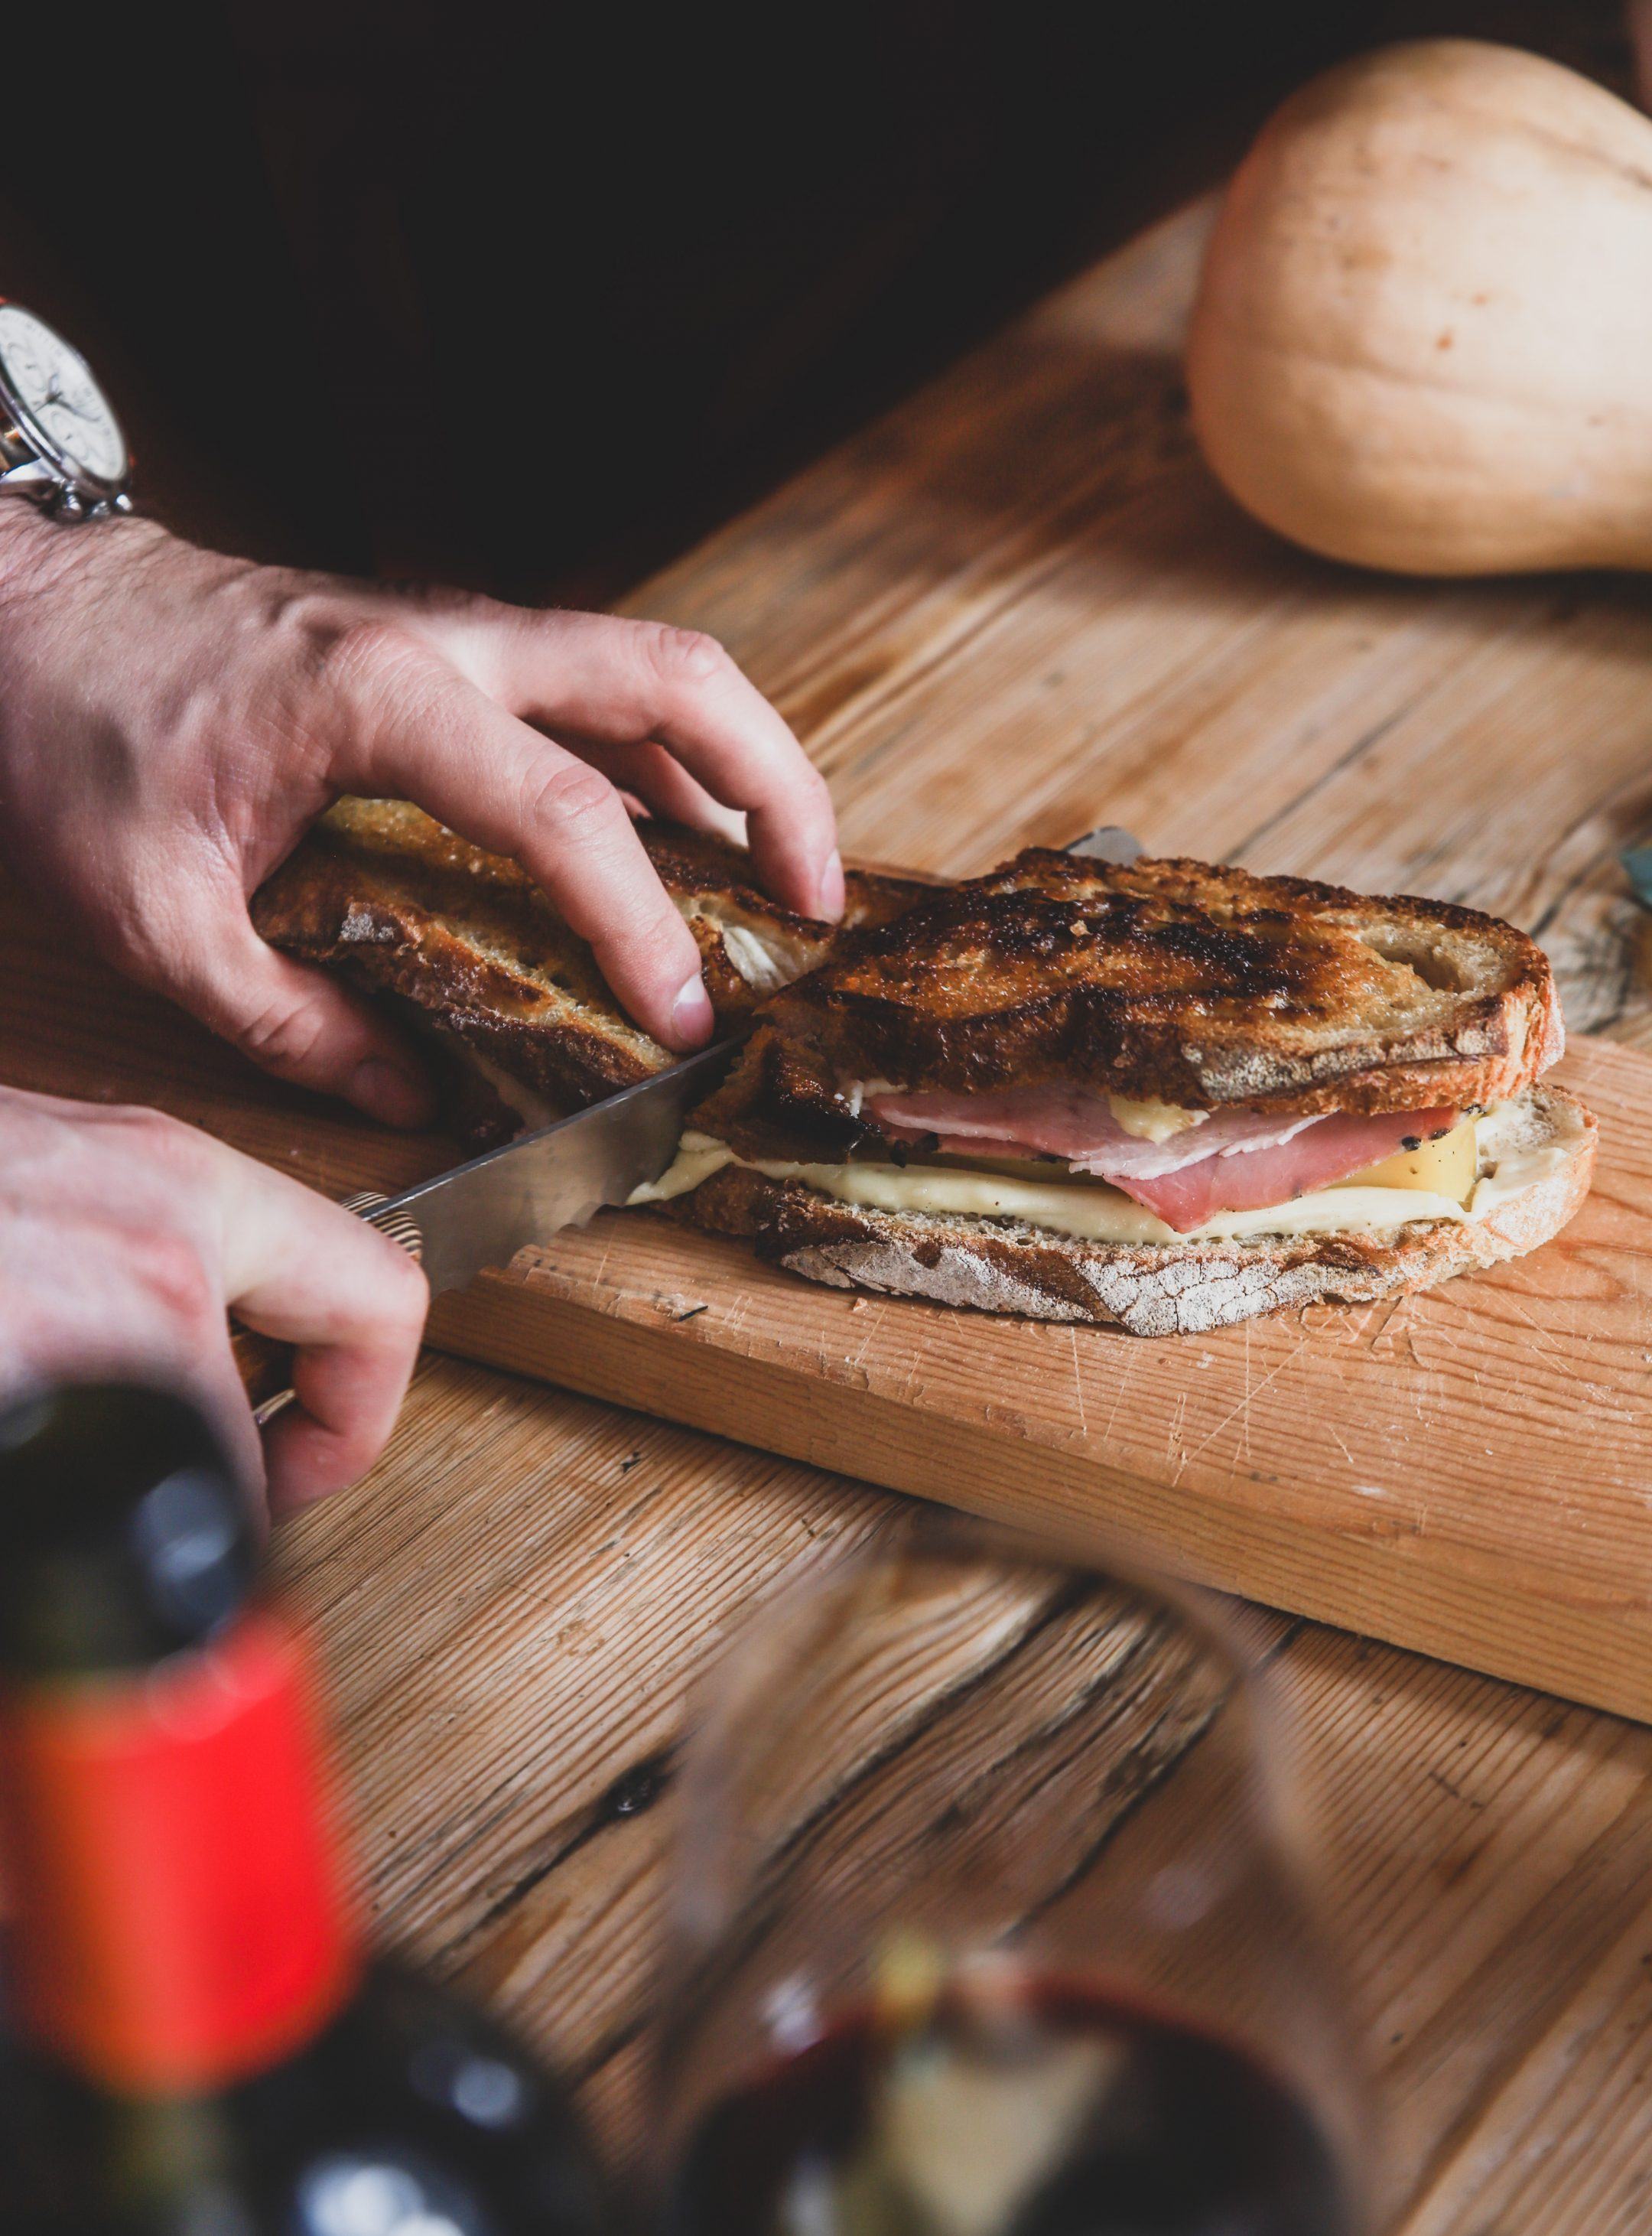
pixel 194 2043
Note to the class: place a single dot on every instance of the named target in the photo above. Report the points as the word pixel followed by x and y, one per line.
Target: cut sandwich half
pixel 470 951
pixel 1163 1096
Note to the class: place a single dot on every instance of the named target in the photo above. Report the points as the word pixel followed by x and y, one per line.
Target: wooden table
pixel 1016 608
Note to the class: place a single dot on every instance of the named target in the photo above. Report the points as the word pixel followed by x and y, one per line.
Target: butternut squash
pixel 1423 336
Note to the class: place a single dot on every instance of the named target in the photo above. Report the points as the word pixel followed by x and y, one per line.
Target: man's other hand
pixel 125 1239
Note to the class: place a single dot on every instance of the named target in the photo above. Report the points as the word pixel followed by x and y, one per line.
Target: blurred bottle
pixel 193 2042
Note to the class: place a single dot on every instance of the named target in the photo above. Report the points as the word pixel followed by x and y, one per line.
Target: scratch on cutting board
pixel 1180 1450
pixel 874 1328
pixel 1121 1391
pixel 1529 1319
pixel 1395 1305
pixel 1078 1382
pixel 1253 1391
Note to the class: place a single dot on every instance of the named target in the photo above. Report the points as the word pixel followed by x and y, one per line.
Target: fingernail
pixel 391 1094
pixel 831 886
pixel 692 1018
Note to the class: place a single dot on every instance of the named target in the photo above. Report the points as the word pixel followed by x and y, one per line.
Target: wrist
pixel 26 540
pixel 36 550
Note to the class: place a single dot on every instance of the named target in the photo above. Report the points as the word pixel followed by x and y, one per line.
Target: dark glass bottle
pixel 195 2044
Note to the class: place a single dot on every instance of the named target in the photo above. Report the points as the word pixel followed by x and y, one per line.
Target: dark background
pixel 529 297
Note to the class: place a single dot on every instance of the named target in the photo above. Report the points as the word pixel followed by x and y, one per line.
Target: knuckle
pixel 161 1139
pixel 659 949
pixel 810 781
pixel 283 1037
pixel 575 797
pixel 171 1270
pixel 364 658
pixel 683 656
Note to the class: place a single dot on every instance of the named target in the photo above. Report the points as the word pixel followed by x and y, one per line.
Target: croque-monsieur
pixel 470 952
pixel 1166 1096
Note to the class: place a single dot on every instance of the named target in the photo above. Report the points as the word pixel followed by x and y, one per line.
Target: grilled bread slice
pixel 1158 982
pixel 464 944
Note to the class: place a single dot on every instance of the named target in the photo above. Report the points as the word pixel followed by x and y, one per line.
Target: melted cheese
pixel 524 1103
pixel 764 968
pixel 697 1157
pixel 1445 1167
pixel 1153 1122
pixel 764 959
pixel 1091 1211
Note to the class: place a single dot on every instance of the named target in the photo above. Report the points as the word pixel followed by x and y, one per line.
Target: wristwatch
pixel 60 441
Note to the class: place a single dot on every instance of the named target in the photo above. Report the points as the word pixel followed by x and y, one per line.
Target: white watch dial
pixel 53 384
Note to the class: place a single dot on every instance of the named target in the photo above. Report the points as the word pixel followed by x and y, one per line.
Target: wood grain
pixel 1019 606
pixel 1014 610
pixel 515 1609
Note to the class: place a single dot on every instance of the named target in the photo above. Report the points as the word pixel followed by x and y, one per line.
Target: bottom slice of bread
pixel 1183 1288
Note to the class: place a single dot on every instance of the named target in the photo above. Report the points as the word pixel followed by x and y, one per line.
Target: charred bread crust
pixel 388 934
pixel 1146 1289
pixel 1174 981
pixel 465 941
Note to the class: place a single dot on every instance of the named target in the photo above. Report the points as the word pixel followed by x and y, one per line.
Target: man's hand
pixel 125 1236
pixel 171 721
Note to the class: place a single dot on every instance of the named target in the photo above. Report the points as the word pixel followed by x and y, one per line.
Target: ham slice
pixel 1235 1160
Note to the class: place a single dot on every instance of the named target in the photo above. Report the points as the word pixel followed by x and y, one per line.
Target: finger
pixel 340 1422
pixel 434 739
pixel 621 682
pixel 294 1020
pixel 300 1268
pixel 657 779
pixel 86 1297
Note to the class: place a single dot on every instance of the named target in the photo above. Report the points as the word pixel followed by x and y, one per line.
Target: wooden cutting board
pixel 1468 1471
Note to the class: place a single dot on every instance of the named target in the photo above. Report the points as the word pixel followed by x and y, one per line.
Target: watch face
pixel 63 405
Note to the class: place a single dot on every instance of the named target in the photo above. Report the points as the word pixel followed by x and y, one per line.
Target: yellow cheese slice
pixel 1446 1167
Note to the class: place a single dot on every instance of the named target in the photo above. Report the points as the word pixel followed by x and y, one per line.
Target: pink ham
pixel 1236 1160
pixel 1248 1179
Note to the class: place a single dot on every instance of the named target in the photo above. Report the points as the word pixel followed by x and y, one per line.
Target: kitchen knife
pixel 482 1213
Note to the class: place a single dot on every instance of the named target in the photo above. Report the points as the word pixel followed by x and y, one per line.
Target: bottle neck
pixel 179 1920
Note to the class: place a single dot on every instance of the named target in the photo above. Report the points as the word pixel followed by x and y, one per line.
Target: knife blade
pixel 1110 842
pixel 482 1213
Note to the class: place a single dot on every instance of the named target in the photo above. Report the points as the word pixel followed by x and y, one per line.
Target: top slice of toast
pixel 1159 980
pixel 464 942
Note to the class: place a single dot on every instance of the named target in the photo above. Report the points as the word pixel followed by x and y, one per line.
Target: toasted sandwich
pixel 470 950
pixel 1163 1096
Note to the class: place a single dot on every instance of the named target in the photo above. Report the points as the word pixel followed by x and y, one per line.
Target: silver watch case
pixel 34 464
